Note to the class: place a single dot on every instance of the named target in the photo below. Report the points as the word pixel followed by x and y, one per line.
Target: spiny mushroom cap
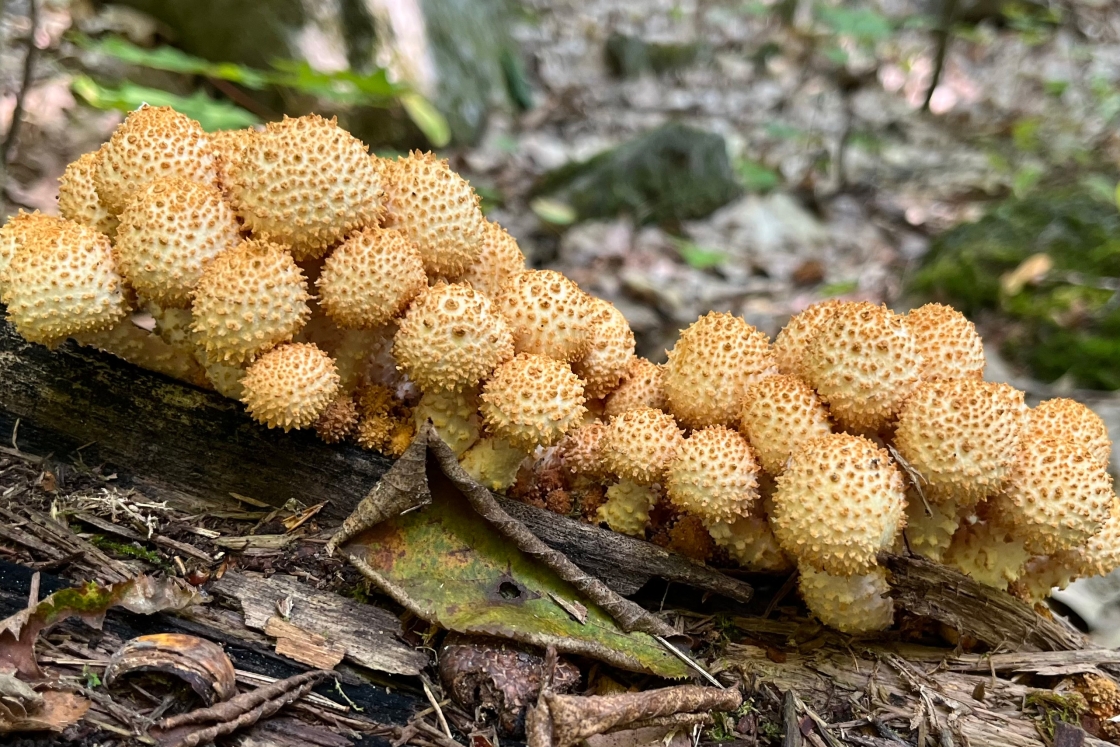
pixel 228 145
pixel 710 368
pixel 532 401
pixel 864 363
pixel 610 351
pixel 640 444
pixel 751 543
pixel 25 228
pixel 929 533
pixel 62 281
pixel 714 475
pixel 77 195
pixel 688 536
pixel 1056 496
pixel 627 507
pixel 794 338
pixel 642 385
pixel 779 414
pixel 249 299
pixel 438 210
pixel 499 259
pixel 371 278
pixel 153 142
pixel 1067 418
pixel 290 386
pixel 582 450
pixel 839 502
pixel 170 230
pixel 961 436
pixel 851 604
pixel 454 415
pixel 451 337
pixel 1101 554
pixel 987 553
pixel 306 183
pixel 547 313
pixel 1043 573
pixel 338 421
pixel 947 341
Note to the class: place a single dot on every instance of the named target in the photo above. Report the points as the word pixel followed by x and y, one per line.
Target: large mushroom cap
pixel 170 230
pixel 290 386
pixel 794 338
pixel 451 337
pixel 77 195
pixel 306 183
pixel 961 436
pixel 947 341
pixel 63 281
pixel 371 278
pixel 751 543
pixel 499 259
pixel 714 475
pixel 248 300
pixel 153 142
pixel 1056 497
pixel 850 604
pixel 642 385
pixel 780 413
pixel 839 502
pixel 548 314
pixel 610 352
pixel 1101 554
pixel 25 228
pixel 640 444
pixel 1067 418
pixel 711 366
pixel 864 363
pixel 532 401
pixel 437 209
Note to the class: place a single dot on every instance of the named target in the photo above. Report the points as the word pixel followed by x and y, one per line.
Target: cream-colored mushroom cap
pixel 864 363
pixel 437 209
pixel 306 183
pixel 1056 497
pixel 63 280
pixel 532 401
pixel 710 368
pixel 839 503
pixel 751 543
pixel 25 228
pixel 77 195
pixel 290 386
pixel 642 385
pixel 170 230
pixel 248 300
pixel 548 314
pixel 962 436
pixel 371 278
pixel 794 338
pixel 947 341
pixel 987 553
pixel 610 352
pixel 640 444
pixel 582 450
pixel 1100 555
pixel 153 142
pixel 228 146
pixel 714 475
pixel 1067 418
pixel 851 604
pixel 779 414
pixel 499 259
pixel 929 526
pixel 627 508
pixel 451 338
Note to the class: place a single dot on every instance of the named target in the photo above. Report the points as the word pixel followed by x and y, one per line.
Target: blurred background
pixel 678 156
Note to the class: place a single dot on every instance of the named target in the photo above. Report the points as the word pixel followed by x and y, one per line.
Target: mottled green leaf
pixel 427 118
pixel 212 114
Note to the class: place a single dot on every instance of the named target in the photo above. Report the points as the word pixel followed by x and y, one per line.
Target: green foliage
pixel 343 87
pixel 864 25
pixel 699 257
pixel 212 114
pixel 90 678
pixel 127 550
pixel 1067 323
pixel 1054 708
pixel 756 177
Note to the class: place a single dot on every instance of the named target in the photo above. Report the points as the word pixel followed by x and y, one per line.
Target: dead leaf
pixel 58 710
pixel 143 595
pixel 1031 271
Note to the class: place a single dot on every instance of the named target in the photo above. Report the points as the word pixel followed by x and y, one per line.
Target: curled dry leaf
pixel 200 663
pixel 23 709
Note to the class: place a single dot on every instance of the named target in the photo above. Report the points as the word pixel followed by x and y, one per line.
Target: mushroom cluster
pixel 333 290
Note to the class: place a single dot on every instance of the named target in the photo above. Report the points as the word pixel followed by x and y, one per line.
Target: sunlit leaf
pixel 698 257
pixel 174 60
pixel 553 211
pixel 212 114
pixel 863 24
pixel 427 118
pixel 756 177
pixel 839 288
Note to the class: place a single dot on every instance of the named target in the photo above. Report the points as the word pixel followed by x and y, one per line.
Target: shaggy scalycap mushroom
pixel 1067 418
pixel 77 195
pixel 794 338
pixel 25 228
pixel 290 386
pixel 548 314
pixel 642 385
pixel 851 604
pixel 987 553
pixel 306 183
pixel 947 342
pixel 640 444
pixel 929 526
pixel 499 259
pixel 714 475
pixel 610 352
pixel 864 363
pixel 371 278
pixel 582 450
pixel 839 503
pixel 779 414
pixel 451 337
pixel 710 368
pixel 627 508
pixel 751 543
pixel 532 401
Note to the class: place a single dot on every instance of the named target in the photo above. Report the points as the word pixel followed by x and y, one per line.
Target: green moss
pixel 1053 708
pixel 127 550
pixel 1067 324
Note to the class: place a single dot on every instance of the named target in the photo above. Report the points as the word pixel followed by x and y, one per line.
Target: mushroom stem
pixel 493 462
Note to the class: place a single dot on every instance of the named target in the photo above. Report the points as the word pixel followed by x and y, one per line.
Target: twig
pixel 24 86
pixel 944 33
pixel 688 660
pixel 253 700
pixel 439 711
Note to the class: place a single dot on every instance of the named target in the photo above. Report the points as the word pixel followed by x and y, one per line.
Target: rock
pixel 458 53
pixel 670 174
pixel 630 56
